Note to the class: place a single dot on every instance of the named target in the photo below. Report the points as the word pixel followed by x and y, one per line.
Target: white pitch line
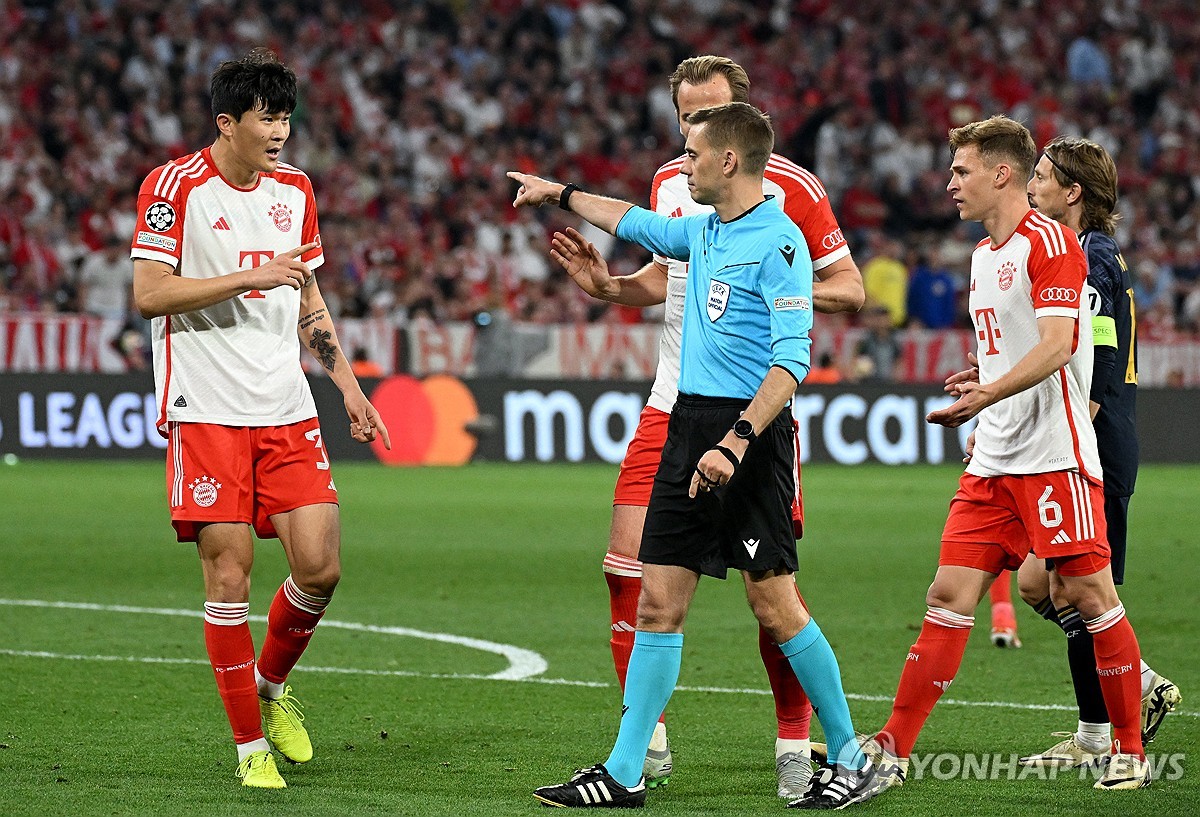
pixel 132 659
pixel 524 665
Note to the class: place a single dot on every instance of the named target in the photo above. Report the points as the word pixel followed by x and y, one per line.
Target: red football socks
pixel 1119 663
pixel 624 577
pixel 290 623
pixel 231 653
pixel 931 666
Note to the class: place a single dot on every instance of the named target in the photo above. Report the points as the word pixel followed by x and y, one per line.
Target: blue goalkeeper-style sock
pixel 816 667
pixel 653 671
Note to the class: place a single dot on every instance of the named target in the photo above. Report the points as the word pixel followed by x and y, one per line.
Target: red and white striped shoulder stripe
pixel 190 167
pixel 1054 235
pixel 778 166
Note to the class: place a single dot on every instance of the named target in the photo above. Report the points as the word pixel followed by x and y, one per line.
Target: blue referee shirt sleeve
pixel 785 283
pixel 669 237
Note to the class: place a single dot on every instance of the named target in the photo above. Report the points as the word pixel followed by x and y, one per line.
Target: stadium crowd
pixel 412 111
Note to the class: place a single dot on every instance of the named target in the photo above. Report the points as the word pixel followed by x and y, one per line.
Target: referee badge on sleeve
pixel 718 299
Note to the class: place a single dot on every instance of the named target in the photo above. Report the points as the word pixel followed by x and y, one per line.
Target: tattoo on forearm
pixel 321 346
pixel 311 318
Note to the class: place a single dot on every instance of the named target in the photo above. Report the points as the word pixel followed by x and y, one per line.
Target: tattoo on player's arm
pixel 311 318
pixel 323 348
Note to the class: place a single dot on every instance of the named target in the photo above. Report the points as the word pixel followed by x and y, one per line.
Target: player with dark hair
pixel 1075 183
pixel 223 256
pixel 723 492
pixel 699 82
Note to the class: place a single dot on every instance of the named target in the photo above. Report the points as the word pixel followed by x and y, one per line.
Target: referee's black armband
pixel 729 455
pixel 564 198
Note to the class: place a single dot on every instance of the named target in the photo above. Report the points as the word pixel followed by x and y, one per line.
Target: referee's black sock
pixel 1081 655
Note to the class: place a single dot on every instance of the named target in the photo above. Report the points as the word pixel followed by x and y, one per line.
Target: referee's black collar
pixel 766 198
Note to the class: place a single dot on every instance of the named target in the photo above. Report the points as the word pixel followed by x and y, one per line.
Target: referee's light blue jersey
pixel 749 295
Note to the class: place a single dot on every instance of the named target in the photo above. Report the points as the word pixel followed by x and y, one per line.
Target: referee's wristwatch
pixel 743 429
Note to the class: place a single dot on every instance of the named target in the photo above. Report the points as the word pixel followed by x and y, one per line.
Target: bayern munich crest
pixel 281 214
pixel 1007 271
pixel 204 491
pixel 160 216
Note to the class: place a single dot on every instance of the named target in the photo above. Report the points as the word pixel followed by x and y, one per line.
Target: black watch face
pixel 743 429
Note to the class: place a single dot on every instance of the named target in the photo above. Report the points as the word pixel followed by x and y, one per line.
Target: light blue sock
pixel 816 667
pixel 649 682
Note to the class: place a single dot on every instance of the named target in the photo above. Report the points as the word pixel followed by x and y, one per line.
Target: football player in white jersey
pixel 700 82
pixel 1033 482
pixel 223 255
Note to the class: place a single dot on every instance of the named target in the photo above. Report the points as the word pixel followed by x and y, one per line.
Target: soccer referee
pixel 723 492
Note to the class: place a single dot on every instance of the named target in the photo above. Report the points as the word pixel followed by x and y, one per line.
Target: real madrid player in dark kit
pixel 1075 183
pixel 223 257
pixel 723 492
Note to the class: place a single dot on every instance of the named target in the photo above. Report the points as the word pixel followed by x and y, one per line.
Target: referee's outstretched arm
pixel 602 211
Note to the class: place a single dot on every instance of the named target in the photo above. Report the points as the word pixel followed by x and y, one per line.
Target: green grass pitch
pixel 114 711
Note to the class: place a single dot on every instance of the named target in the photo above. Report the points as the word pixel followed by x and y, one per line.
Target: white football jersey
pixel 800 195
pixel 237 362
pixel 1040 271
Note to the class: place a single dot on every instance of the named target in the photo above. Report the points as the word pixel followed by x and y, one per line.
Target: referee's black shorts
pixel 744 525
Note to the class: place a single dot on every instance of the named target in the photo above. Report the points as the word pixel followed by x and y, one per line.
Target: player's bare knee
pixel 1092 595
pixel 1091 604
pixel 1033 595
pixel 319 582
pixel 625 533
pixel 947 596
pixel 230 585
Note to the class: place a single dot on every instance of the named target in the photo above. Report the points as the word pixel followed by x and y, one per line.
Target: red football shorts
pixel 244 474
pixel 636 477
pixel 994 522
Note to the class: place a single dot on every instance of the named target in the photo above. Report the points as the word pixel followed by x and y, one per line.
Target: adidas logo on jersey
pixel 676 213
pixel 221 224
pixel 1061 538
pixel 943 685
pixel 180 402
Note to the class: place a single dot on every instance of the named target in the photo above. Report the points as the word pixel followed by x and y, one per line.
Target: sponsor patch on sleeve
pixel 163 242
pixel 787 304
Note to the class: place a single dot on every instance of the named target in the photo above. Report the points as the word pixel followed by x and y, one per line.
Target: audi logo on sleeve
pixel 832 239
pixel 1064 295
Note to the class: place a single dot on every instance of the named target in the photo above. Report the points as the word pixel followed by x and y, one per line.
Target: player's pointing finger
pixel 301 250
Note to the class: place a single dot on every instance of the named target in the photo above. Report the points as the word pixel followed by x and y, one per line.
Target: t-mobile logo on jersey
pixel 988 329
pixel 256 258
